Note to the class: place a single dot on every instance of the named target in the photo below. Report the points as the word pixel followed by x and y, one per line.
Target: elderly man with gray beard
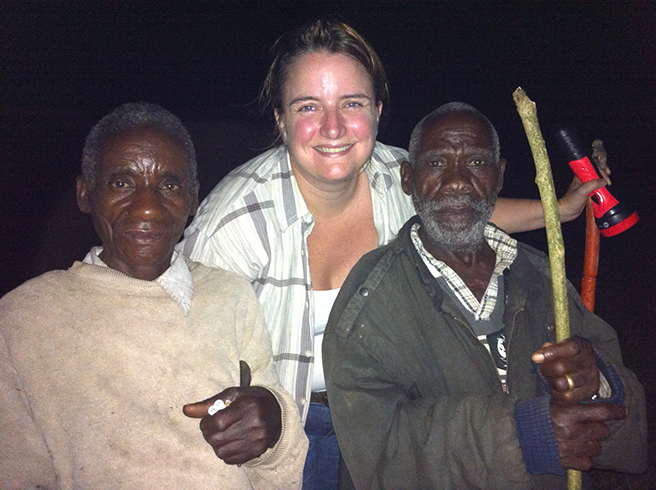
pixel 440 357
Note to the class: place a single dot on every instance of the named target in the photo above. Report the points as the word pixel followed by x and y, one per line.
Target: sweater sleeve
pixel 25 462
pixel 282 465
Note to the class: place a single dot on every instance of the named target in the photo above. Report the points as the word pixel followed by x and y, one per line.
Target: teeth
pixel 324 149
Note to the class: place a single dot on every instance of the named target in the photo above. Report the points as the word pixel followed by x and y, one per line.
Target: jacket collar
pixel 522 272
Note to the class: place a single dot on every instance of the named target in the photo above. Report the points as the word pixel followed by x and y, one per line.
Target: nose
pixel 332 125
pixel 456 180
pixel 146 204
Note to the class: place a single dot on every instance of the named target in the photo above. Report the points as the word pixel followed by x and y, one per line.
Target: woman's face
pixel 329 117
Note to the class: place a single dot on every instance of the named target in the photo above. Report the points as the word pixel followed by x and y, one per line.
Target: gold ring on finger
pixel 570 382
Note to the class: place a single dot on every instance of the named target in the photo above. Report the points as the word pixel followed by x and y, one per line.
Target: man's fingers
pixel 599 412
pixel 565 348
pixel 580 463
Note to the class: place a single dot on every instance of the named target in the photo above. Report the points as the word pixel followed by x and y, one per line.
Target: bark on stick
pixel 544 180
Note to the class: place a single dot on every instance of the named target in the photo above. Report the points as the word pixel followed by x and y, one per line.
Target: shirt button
pixel 303 401
pixel 308 353
pixel 364 292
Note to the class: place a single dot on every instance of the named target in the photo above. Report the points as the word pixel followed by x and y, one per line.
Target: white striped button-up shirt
pixel 255 222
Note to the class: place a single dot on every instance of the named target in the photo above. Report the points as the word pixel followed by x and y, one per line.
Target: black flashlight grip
pixel 586 170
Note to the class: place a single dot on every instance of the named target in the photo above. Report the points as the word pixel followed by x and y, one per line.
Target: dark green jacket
pixel 415 397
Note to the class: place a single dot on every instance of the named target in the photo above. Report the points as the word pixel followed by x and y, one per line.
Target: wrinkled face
pixel 329 117
pixel 140 202
pixel 455 180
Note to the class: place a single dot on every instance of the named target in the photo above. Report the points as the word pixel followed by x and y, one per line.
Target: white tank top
pixel 323 303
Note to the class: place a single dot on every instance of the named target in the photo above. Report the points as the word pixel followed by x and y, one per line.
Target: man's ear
pixel 502 169
pixel 83 194
pixel 281 124
pixel 194 197
pixel 406 177
pixel 379 106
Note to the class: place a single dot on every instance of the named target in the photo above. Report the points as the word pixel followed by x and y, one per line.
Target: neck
pixel 472 257
pixel 148 272
pixel 331 198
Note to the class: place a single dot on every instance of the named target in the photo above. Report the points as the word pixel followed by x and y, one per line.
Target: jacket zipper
pixel 489 355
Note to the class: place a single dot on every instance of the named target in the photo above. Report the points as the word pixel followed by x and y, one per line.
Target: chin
pixel 458 237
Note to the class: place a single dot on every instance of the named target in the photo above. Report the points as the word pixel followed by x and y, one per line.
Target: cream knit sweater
pixel 95 367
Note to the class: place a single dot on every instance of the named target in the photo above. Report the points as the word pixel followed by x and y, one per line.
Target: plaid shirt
pixel 503 245
pixel 255 222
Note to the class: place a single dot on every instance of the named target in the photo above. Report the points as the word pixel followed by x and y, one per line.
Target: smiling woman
pixel 328 119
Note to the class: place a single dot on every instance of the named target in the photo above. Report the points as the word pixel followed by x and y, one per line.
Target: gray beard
pixel 463 236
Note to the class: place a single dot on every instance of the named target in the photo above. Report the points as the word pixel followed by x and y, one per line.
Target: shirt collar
pixel 505 249
pixel 176 280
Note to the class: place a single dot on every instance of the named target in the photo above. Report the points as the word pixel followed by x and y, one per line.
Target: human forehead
pixel 315 71
pixel 456 129
pixel 144 148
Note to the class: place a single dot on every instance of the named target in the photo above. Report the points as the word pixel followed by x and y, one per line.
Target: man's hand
pixel 244 430
pixel 580 430
pixel 570 367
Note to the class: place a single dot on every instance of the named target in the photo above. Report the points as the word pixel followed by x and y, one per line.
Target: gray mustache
pixel 452 202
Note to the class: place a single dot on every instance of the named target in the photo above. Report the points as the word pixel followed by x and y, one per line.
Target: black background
pixel 64 65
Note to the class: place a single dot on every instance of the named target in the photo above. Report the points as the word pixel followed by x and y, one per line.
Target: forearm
pixel 282 465
pixel 517 215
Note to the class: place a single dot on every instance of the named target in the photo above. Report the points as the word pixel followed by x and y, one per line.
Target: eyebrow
pixel 310 98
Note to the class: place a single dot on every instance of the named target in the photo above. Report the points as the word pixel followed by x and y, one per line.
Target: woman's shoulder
pixel 390 156
pixel 255 181
pixel 254 174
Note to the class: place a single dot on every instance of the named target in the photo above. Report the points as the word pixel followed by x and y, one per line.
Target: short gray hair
pixel 130 116
pixel 448 108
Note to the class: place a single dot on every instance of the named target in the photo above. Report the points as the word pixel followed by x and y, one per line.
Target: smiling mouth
pixel 336 149
pixel 455 213
pixel 145 236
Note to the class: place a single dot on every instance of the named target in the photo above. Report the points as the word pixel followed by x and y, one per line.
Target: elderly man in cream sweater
pixel 102 365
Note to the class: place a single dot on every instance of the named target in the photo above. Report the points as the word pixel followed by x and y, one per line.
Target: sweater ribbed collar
pixel 176 280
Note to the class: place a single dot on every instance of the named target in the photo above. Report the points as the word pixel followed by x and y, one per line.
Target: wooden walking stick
pixel 544 180
pixel 591 260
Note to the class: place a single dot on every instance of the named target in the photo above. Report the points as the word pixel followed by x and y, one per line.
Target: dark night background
pixel 64 65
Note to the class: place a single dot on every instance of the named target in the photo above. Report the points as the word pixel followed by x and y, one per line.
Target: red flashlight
pixel 611 216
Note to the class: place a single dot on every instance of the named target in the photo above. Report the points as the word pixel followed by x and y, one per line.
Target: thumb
pixel 593 185
pixel 538 356
pixel 198 410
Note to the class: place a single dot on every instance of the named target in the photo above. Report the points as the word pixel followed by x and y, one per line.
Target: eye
pixel 307 108
pixel 353 104
pixel 118 184
pixel 477 162
pixel 436 163
pixel 171 186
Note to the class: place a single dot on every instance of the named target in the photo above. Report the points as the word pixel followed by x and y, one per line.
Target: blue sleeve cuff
pixel 536 435
pixel 606 368
pixel 616 386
